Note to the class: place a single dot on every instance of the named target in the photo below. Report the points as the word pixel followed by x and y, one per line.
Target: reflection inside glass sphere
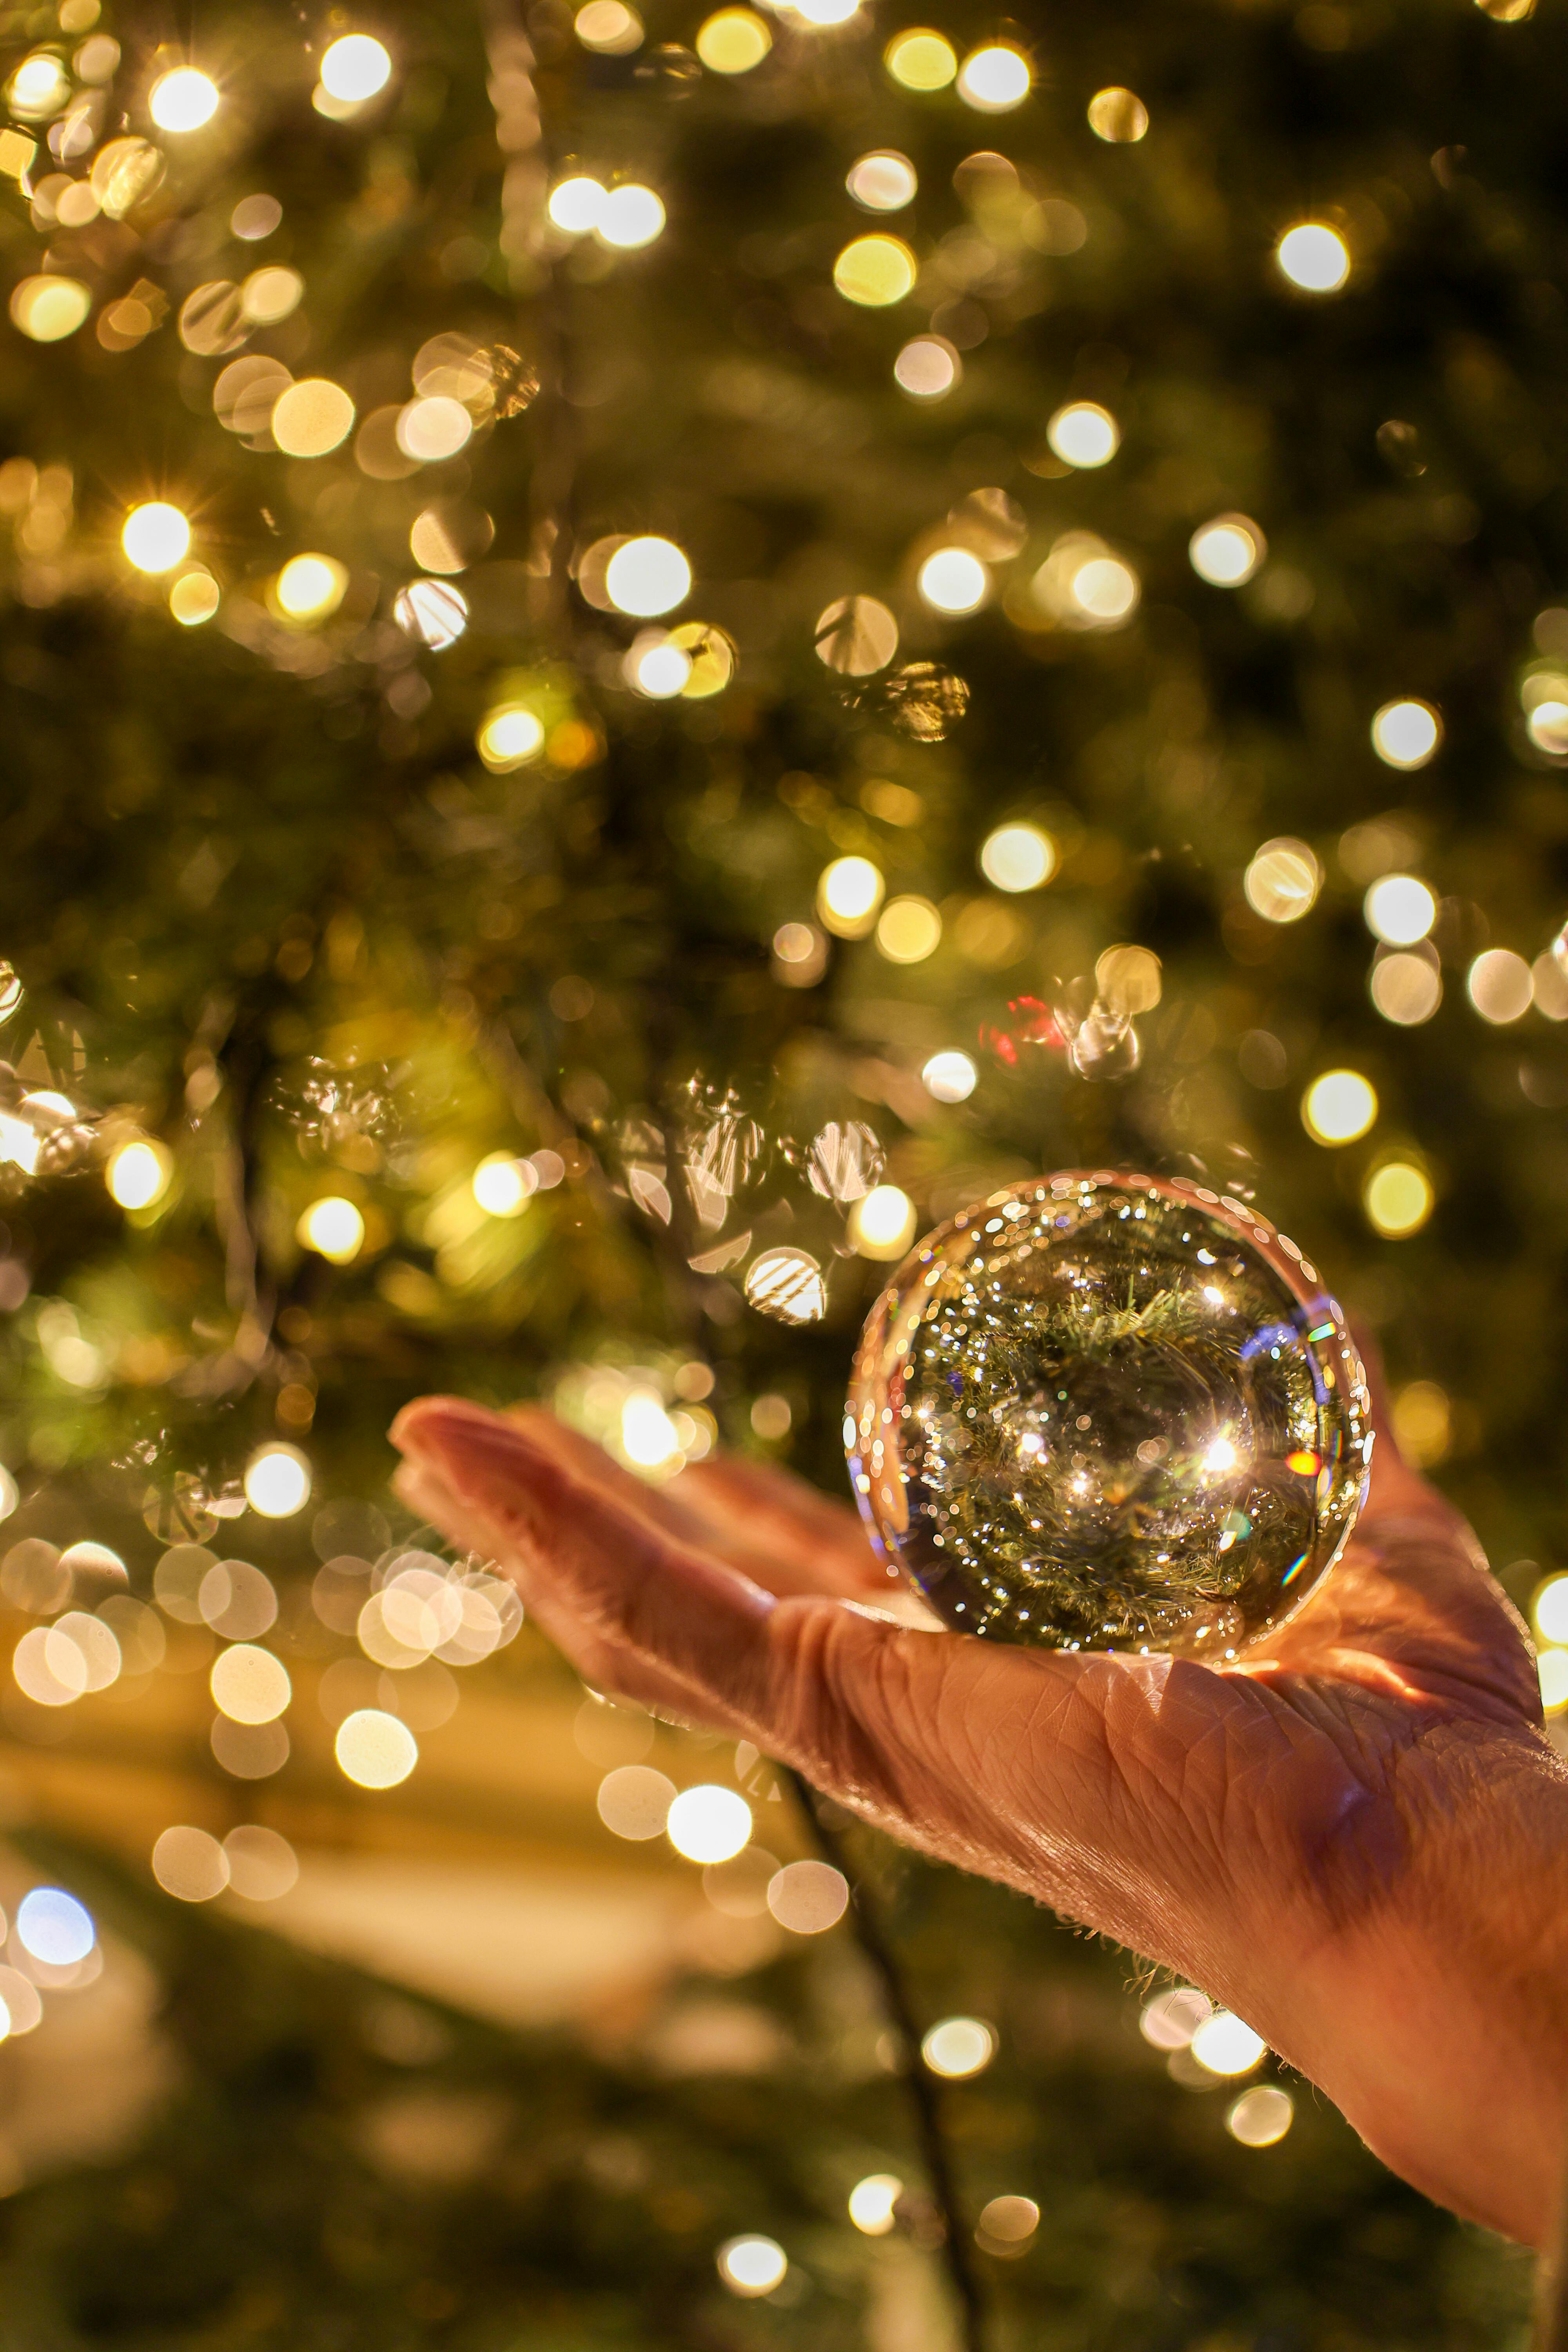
pixel 1109 1412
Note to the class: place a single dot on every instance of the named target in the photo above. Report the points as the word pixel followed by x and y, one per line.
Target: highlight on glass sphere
pixel 1109 1412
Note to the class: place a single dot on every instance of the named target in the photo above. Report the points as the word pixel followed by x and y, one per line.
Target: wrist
pixel 1438 2021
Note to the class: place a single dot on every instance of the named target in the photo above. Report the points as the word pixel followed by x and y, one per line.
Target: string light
pixel 137 1174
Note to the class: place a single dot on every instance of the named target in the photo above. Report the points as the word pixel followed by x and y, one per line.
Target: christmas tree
pixel 641 655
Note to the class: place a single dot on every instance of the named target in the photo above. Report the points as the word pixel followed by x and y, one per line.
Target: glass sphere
pixel 1108 1413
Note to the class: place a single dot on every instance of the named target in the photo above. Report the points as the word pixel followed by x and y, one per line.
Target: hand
pixel 1354 1836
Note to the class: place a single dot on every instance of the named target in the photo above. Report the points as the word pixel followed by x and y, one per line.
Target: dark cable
pixel 924 2096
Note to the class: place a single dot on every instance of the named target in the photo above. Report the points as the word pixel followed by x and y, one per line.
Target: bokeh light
pixel 882 181
pixel 183 100
pixel 882 1223
pixel 920 60
pixel 1499 985
pixel 958 2047
pixel 1261 2117
pixel 334 1227
pixel 630 217
pixel 633 1802
pixel 808 1897
pixel 278 1481
pixel 155 537
pixel 751 2266
pixel 1017 857
pixel 49 307
pixel 249 1685
pixel 1339 1107
pixel 995 78
pixel 194 598
pixel 576 202
pixel 356 67
pixel 927 368
pixel 503 1184
pixel 872 2203
pixel 734 41
pixel 1227 551
pixel 1225 2044
pixel 1397 1198
pixel 1314 258
pixel 908 930
pixel 1399 909
pixel 313 417
pixel 849 895
pixel 1282 881
pixel 138 1174
pixel 875 271
pixel 949 1076
pixel 376 1750
pixel 953 580
pixel 1406 989
pixel 310 587
pixel 709 1823
pixel 1407 733
pixel 1084 434
pixel 609 29
pixel 1117 116
pixel 648 576
pixel 1550 1610
pixel 509 736
pixel 55 1927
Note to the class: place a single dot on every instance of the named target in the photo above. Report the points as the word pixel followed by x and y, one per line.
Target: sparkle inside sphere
pixel 1108 1413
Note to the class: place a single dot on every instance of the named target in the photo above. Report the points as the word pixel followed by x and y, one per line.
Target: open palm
pixel 1353 1836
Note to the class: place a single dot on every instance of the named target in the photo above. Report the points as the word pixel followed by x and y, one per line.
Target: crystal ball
pixel 1109 1412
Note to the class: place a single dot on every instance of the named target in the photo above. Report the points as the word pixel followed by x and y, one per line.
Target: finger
pixel 760 1509
pixel 773 1528
pixel 601 1663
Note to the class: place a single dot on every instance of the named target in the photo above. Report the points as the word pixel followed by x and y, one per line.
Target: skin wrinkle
pixel 1356 1843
